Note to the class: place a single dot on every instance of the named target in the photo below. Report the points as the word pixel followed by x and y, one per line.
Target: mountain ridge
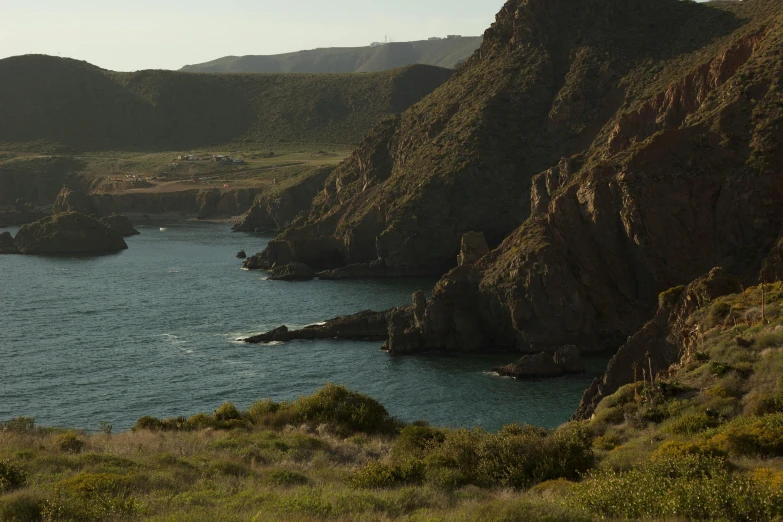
pixel 445 52
pixel 72 105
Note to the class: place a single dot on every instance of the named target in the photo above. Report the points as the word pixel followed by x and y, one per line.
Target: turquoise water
pixel 152 331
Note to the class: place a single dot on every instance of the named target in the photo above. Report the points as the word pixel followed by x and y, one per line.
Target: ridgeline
pixel 443 52
pixel 55 104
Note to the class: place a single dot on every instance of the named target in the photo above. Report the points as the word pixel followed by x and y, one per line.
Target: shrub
pixel 676 449
pixel 687 487
pixel 344 410
pixel 720 369
pixel 22 507
pixel 607 442
pixel 18 425
pixel 227 412
pixel 693 423
pixel 772 339
pixel 69 443
pixel 669 298
pixel 761 436
pixel 11 476
pixel 415 441
pixel 377 474
pixel 90 496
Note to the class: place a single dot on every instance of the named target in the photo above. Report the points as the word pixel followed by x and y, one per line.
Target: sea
pixel 154 330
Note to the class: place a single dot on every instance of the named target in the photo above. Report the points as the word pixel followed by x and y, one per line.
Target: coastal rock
pixel 472 248
pixel 120 224
pixel 73 200
pixel 657 344
pixel 544 365
pixel 68 233
pixel 241 254
pixel 7 243
pixel 376 269
pixel 292 272
pixel 365 325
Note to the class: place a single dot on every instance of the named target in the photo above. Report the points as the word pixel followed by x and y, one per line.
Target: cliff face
pixel 204 204
pixel 463 158
pixel 608 150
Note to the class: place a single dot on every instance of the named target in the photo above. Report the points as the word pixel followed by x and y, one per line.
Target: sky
pixel 168 34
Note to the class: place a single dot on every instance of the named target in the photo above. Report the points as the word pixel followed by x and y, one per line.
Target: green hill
pixel 446 52
pixel 56 103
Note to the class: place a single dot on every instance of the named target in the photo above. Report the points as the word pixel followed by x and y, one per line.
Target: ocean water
pixel 153 331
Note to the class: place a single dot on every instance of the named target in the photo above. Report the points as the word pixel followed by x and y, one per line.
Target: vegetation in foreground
pixel 702 443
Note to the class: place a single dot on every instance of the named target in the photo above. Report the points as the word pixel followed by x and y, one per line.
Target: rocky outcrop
pixel 68 233
pixel 362 326
pixel 292 272
pixel 278 208
pixel 544 365
pixel 241 254
pixel 376 269
pixel 73 200
pixel 660 342
pixel 120 224
pixel 472 248
pixel 7 243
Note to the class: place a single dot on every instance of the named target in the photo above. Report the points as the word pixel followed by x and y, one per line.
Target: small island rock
pixel 69 233
pixel 241 254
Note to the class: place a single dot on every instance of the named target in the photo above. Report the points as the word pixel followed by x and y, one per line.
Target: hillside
pixel 53 103
pixel 603 164
pixel 446 52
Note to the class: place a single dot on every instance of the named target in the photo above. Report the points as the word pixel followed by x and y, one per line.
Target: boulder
pixel 544 365
pixel 292 272
pixel 72 200
pixel 120 224
pixel 7 243
pixel 241 254
pixel 472 248
pixel 280 334
pixel 69 233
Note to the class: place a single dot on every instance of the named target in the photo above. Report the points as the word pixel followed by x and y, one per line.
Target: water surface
pixel 152 331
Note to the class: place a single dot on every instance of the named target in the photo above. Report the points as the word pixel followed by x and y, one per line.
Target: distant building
pixel 453 36
pixel 435 38
pixel 376 44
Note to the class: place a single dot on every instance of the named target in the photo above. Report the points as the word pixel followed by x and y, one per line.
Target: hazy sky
pixel 167 34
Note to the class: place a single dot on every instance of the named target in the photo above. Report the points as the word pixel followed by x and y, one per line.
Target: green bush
pixel 515 457
pixel 69 442
pixel 762 436
pixel 93 496
pixel 689 487
pixel 11 476
pixel 344 410
pixel 669 298
pixel 18 425
pixel 227 412
pixel 693 423
pixel 677 449
pixel 377 474
pixel 22 506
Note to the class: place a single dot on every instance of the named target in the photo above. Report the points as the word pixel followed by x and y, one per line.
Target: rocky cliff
pixel 631 153
pixel 278 207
